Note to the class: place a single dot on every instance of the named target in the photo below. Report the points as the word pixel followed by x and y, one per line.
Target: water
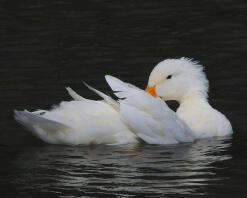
pixel 47 45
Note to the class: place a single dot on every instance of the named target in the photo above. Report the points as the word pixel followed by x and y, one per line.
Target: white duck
pixel 138 115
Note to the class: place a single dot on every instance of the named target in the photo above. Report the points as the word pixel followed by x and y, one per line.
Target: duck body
pixel 78 122
pixel 137 115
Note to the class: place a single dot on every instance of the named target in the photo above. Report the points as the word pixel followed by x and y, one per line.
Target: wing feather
pixel 150 118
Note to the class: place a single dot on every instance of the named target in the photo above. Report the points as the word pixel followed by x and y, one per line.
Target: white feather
pixel 74 95
pixel 121 89
pixel 106 98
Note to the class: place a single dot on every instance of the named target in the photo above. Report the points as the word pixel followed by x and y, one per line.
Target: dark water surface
pixel 47 45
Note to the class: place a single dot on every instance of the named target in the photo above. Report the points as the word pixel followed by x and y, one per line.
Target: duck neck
pixel 193 99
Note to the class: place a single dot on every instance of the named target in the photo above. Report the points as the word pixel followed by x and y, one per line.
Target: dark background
pixel 47 45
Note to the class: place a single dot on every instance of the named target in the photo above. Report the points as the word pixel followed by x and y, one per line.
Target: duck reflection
pixel 122 170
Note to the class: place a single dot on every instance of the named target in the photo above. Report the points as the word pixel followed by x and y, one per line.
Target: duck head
pixel 178 79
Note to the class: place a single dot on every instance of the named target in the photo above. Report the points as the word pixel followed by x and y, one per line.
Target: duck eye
pixel 169 77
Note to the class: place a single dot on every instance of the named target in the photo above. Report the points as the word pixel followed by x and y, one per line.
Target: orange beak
pixel 151 90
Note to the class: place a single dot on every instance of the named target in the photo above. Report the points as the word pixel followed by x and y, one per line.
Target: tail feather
pixel 42 127
pixel 106 98
pixel 75 95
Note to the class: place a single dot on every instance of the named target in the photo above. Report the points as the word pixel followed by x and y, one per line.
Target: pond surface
pixel 47 45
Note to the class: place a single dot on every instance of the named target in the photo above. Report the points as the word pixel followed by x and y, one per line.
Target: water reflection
pixel 122 170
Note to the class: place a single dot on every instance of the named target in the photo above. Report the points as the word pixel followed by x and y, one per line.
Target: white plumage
pixel 137 115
